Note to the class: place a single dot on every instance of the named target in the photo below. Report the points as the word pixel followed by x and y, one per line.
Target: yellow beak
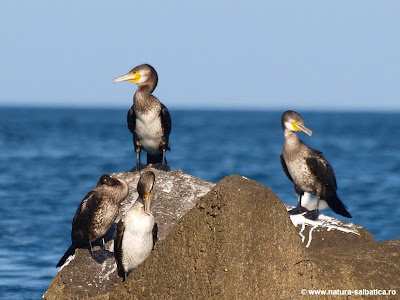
pixel 301 127
pixel 131 76
pixel 147 203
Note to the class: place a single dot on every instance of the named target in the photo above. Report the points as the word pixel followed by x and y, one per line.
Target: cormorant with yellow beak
pixel 135 236
pixel 148 119
pixel 308 169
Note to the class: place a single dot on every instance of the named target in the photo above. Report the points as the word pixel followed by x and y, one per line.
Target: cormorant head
pixel 139 75
pixel 107 180
pixel 292 121
pixel 144 188
pixel 113 188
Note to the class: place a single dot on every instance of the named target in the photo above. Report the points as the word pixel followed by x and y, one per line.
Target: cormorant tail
pixel 120 270
pixel 154 159
pixel 68 253
pixel 336 204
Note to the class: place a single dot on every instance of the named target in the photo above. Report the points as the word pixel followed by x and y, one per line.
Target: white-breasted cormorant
pixel 308 169
pixel 96 214
pixel 135 237
pixel 148 119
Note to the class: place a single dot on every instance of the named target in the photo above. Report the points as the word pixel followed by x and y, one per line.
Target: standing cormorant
pixel 148 119
pixel 134 237
pixel 96 214
pixel 308 169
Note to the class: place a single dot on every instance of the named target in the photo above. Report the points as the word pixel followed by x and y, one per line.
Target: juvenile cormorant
pixel 148 119
pixel 308 169
pixel 96 214
pixel 134 238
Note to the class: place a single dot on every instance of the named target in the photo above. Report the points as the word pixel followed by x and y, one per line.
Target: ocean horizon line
pixel 305 109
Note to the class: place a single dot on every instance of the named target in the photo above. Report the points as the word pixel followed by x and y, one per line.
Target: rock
pixel 174 194
pixel 340 234
pixel 314 233
pixel 238 242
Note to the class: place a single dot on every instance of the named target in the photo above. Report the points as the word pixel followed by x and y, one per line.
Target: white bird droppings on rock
pixel 324 222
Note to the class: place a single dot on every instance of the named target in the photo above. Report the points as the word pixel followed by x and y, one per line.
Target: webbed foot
pixel 161 166
pixel 298 210
pixel 312 215
pixel 100 256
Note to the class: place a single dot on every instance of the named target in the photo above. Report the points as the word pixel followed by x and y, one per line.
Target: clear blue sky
pixel 208 54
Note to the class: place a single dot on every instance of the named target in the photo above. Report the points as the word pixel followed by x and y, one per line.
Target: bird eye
pixel 104 179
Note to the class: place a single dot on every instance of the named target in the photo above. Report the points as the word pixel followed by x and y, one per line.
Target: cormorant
pixel 96 214
pixel 148 119
pixel 308 169
pixel 135 234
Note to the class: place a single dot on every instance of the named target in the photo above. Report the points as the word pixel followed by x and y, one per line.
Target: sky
pixel 319 55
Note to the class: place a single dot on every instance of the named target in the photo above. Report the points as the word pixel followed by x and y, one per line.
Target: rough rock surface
pixel 329 232
pixel 238 242
pixel 174 194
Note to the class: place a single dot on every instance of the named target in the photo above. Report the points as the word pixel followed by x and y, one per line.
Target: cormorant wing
pixel 321 168
pixel 165 120
pixel 284 167
pixel 84 210
pixel 119 233
pixel 131 120
pixel 155 234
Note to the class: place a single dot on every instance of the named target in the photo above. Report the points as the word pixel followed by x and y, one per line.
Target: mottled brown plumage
pixel 96 214
pixel 308 169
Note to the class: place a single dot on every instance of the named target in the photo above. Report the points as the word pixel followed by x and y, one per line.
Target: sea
pixel 51 157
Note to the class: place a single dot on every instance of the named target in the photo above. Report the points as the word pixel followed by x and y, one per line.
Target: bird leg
pixel 313 214
pixel 164 159
pixel 298 209
pixel 90 248
pixel 164 165
pixel 102 244
pixel 138 166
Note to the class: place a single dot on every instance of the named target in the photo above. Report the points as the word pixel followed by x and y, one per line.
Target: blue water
pixel 50 159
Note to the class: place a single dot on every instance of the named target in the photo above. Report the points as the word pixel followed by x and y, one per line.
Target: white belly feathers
pixel 149 131
pixel 137 241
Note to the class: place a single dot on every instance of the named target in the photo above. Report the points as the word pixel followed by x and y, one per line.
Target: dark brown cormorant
pixel 135 236
pixel 308 169
pixel 148 119
pixel 96 214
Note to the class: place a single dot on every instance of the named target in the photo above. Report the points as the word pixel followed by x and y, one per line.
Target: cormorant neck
pixel 144 102
pixel 290 137
pixel 143 205
pixel 146 88
pixel 140 200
